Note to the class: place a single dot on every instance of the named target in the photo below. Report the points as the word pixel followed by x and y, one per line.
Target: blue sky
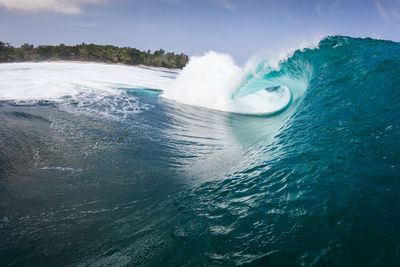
pixel 241 28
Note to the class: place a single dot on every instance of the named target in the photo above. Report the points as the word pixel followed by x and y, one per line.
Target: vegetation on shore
pixel 92 52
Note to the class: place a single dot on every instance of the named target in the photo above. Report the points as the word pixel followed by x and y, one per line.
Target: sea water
pixel 286 163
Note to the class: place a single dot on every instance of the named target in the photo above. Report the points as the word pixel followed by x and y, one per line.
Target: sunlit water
pixel 272 165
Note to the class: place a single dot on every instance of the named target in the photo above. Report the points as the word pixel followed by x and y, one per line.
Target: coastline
pixel 97 62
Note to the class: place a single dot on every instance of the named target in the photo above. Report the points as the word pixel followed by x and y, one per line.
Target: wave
pixel 255 189
pixel 214 81
pixel 263 86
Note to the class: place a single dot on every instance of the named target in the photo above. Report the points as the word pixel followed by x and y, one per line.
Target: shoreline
pixel 96 62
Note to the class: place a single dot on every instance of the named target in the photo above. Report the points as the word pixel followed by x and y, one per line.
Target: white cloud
pixel 382 12
pixel 318 9
pixel 69 7
pixel 396 13
pixel 327 7
pixel 227 4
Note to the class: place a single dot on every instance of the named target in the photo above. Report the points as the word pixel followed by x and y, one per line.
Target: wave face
pixel 99 167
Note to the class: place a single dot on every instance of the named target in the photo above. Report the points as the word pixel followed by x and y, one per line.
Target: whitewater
pixel 287 160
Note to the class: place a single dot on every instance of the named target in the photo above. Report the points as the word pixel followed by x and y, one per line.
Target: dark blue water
pixel 317 183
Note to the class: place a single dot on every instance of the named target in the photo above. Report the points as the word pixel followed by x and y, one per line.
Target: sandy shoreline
pixel 96 62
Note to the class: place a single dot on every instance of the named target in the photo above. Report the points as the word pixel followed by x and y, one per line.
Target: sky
pixel 241 28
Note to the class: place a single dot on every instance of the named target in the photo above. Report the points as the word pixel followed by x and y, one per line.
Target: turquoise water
pixel 138 179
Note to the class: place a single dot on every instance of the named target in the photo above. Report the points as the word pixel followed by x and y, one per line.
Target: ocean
pixel 287 162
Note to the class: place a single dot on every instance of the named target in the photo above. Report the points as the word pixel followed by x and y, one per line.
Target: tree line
pixel 92 52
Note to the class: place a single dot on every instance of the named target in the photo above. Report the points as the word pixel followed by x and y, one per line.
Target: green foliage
pixel 92 52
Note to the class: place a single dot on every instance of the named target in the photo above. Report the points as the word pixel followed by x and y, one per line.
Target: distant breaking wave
pixel 98 89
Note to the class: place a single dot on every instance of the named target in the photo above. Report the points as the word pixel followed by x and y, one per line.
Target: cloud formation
pixel 69 7
pixel 382 12
pixel 227 4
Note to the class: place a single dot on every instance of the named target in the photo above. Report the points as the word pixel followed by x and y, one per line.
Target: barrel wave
pixel 214 81
pixel 285 163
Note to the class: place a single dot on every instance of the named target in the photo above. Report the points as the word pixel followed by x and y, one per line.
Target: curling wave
pixel 214 81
